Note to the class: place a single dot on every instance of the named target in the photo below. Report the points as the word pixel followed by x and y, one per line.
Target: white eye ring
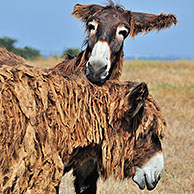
pixel 92 26
pixel 122 32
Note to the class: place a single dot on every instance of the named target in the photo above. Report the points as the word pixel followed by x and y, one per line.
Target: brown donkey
pixel 102 60
pixel 107 27
pixel 47 121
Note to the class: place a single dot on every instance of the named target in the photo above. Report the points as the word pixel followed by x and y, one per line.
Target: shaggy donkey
pixel 42 115
pixel 107 27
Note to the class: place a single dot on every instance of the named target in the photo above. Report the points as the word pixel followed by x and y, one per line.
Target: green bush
pixel 8 43
pixel 72 51
pixel 26 52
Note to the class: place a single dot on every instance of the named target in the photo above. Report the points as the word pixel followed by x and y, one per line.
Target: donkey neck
pixel 117 66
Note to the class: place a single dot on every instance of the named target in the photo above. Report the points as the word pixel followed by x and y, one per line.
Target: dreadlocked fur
pixel 138 22
pixel 48 120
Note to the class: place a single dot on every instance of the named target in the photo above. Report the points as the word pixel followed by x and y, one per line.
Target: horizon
pixel 49 27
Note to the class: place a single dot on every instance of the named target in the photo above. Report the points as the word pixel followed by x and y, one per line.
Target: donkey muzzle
pixel 150 173
pixel 96 71
pixel 98 65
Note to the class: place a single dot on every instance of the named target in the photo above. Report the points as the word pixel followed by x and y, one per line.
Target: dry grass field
pixel 172 85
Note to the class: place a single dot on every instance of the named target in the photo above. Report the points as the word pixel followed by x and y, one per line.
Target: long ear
pixel 144 22
pixel 85 11
pixel 136 98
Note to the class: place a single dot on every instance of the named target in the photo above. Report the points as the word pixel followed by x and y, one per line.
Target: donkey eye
pixel 92 26
pixel 122 32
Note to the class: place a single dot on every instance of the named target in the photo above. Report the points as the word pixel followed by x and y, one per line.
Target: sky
pixel 48 26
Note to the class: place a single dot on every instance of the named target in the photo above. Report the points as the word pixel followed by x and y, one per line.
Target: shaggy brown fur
pixel 9 58
pixel 136 22
pixel 139 22
pixel 46 119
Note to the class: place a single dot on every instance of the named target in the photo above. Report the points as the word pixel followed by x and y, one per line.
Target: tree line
pixel 28 52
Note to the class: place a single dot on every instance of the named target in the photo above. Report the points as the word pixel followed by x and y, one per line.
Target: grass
pixel 172 85
pixel 44 63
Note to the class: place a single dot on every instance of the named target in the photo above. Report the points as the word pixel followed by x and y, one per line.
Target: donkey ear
pixel 136 98
pixel 85 11
pixel 144 22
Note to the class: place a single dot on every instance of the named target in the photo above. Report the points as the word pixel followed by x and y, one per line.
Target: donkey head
pixel 148 158
pixel 107 29
pixel 139 154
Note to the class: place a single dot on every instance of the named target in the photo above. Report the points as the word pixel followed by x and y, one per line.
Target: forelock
pixel 118 7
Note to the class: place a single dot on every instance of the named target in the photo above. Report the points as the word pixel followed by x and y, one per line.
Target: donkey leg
pixel 86 176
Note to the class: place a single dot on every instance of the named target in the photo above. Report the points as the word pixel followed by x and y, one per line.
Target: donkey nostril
pixel 104 68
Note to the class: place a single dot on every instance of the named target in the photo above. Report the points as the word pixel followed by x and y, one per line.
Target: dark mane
pixel 118 7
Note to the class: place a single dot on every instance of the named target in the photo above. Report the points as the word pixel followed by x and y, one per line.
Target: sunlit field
pixel 172 85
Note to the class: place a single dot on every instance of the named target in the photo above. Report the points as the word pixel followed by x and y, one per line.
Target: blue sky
pixel 47 25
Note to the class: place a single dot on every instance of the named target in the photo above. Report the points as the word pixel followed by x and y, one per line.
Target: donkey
pixel 42 120
pixel 107 28
pixel 122 136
